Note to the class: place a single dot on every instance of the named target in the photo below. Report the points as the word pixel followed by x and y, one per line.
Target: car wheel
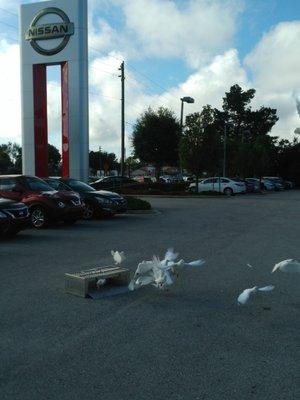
pixel 228 192
pixel 89 211
pixel 38 217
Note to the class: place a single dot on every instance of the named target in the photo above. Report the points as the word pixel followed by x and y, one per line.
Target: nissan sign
pixel 62 29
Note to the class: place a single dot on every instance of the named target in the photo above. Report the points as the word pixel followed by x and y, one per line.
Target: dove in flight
pixel 289 266
pixel 118 256
pixel 244 297
pixel 160 273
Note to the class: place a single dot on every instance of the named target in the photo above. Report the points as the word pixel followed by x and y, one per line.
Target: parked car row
pixel 26 200
pixel 220 185
pixel 231 186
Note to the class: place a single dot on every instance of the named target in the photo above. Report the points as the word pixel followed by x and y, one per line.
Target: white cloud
pixel 275 61
pixel 54 113
pixel 275 66
pixel 195 32
pixel 10 102
pixel 162 29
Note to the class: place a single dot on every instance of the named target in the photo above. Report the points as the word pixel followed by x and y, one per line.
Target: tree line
pixel 237 128
pixel 198 148
pixel 11 160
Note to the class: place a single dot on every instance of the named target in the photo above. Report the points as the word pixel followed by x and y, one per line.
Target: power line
pixel 102 70
pixel 146 77
pixel 10 38
pixel 107 55
pixel 9 12
pixel 102 95
pixel 11 26
pixel 131 67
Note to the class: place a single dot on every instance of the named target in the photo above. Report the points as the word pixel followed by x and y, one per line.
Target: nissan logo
pixel 62 29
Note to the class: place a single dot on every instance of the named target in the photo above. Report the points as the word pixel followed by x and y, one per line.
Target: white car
pixel 219 184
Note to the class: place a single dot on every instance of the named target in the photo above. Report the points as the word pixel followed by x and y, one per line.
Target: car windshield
pixel 57 184
pixel 38 185
pixel 79 186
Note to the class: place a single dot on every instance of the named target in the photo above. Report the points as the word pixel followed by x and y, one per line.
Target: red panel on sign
pixel 65 120
pixel 40 119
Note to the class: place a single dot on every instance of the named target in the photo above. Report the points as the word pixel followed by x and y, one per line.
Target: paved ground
pixel 191 343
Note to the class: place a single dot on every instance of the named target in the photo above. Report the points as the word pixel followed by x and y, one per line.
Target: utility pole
pixel 224 149
pixel 100 161
pixel 122 76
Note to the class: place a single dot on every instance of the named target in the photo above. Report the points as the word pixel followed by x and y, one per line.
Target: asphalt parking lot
pixel 192 342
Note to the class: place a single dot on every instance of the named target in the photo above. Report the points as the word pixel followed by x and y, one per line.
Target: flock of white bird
pixel 162 273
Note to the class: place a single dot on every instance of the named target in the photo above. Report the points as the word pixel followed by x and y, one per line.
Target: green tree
pixel 54 159
pixel 244 126
pixel 5 161
pixel 132 163
pixel 156 138
pixel 102 160
pixel 200 145
pixel 15 153
pixel 288 155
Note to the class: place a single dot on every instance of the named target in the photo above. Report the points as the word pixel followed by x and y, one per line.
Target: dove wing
pixel 196 263
pixel 266 288
pixel 170 255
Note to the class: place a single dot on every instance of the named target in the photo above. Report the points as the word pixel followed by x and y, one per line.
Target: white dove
pixel 247 293
pixel 158 272
pixel 170 255
pixel 290 266
pixel 143 275
pixel 118 256
pixel 100 282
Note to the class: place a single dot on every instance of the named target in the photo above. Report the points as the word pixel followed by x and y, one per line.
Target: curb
pixel 147 212
pixel 165 196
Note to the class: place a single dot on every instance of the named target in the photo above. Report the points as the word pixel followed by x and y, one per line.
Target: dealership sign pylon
pixel 55 33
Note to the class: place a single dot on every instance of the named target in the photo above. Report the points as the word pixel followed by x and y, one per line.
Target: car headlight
pixel 61 204
pixel 2 215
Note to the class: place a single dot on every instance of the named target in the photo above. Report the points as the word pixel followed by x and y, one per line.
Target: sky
pixel 171 49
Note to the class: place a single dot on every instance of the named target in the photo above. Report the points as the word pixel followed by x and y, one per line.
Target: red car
pixel 45 204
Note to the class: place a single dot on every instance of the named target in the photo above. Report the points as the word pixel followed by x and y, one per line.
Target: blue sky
pixel 171 49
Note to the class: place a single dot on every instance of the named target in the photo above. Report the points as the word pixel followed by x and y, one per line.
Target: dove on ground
pixel 244 297
pixel 289 266
pixel 100 282
pixel 118 256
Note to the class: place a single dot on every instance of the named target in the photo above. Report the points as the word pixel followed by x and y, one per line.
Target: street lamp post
pixel 189 100
pixel 186 99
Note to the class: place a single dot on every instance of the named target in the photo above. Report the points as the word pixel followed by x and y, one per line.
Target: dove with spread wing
pixel 289 266
pixel 118 256
pixel 160 273
pixel 244 297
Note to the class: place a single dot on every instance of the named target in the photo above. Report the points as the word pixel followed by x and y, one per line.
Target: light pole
pixel 189 100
